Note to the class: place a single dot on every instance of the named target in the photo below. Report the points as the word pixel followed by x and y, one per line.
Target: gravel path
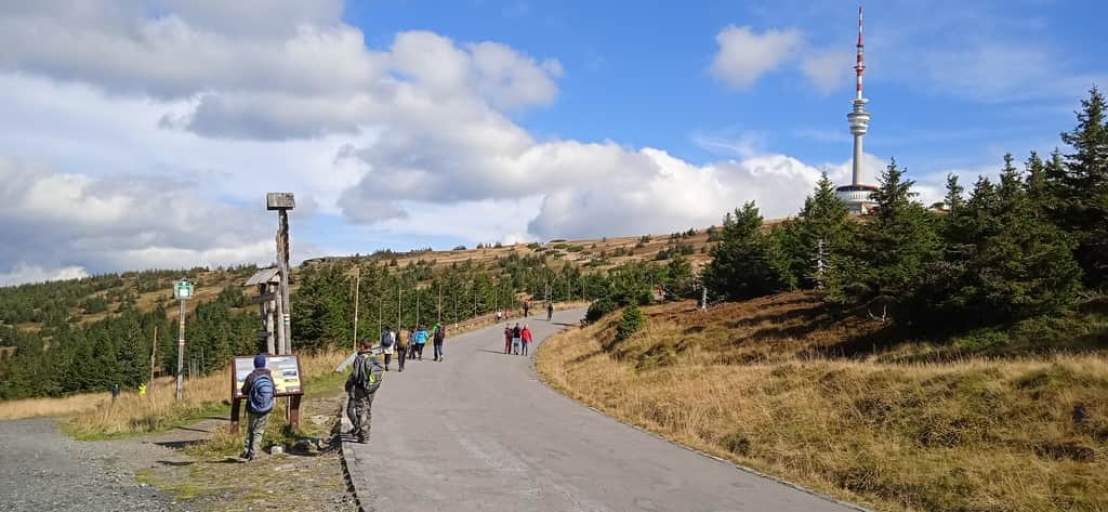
pixel 479 432
pixel 43 470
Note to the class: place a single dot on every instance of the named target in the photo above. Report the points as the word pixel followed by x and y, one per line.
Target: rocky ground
pixel 41 469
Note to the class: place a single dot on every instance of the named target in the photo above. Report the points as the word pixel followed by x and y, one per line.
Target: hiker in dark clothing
pixel 401 347
pixel 507 339
pixel 526 309
pixel 517 339
pixel 549 311
pixel 364 380
pixel 438 339
pixel 258 390
pixel 388 339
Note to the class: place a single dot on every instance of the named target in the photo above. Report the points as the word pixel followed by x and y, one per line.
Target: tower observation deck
pixel 857 194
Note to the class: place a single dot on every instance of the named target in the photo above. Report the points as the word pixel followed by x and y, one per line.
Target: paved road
pixel 479 432
pixel 41 469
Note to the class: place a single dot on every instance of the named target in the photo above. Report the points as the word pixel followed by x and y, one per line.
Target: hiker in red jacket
pixel 526 336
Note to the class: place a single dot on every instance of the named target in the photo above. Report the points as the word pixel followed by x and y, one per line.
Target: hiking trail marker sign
pixel 287 382
pixel 182 290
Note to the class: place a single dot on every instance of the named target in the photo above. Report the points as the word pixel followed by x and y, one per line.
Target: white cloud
pixel 132 115
pixel 827 70
pixel 24 273
pixel 55 222
pixel 744 56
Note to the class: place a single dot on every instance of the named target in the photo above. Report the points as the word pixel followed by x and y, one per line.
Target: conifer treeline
pixel 65 357
pixel 1019 246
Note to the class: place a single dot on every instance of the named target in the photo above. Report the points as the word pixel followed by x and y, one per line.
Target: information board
pixel 285 370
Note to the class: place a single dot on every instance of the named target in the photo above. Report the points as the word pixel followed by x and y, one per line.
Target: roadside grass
pixel 38 407
pixel 304 478
pixel 753 383
pixel 204 397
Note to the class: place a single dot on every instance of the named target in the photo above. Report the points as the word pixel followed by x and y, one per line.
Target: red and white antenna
pixel 860 65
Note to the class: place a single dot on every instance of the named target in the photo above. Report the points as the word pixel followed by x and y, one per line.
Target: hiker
pixel 364 380
pixel 411 342
pixel 440 337
pixel 525 336
pixel 549 311
pixel 507 339
pixel 258 390
pixel 517 339
pixel 499 315
pixel 388 339
pixel 526 309
pixel 401 347
pixel 420 341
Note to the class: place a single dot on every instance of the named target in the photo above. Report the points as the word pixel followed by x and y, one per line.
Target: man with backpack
pixel 388 339
pixel 258 390
pixel 439 338
pixel 420 340
pixel 364 380
pixel 402 339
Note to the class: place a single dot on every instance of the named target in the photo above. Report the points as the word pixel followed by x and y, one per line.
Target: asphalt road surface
pixel 479 432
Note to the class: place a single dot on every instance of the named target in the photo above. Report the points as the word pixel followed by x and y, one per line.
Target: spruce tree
pixel 1080 189
pixel 823 221
pixel 742 263
pixel 882 270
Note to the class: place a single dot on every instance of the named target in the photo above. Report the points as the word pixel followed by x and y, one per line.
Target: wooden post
pixel 278 314
pixel 269 312
pixel 283 262
pixel 282 202
pixel 235 403
pixel 398 306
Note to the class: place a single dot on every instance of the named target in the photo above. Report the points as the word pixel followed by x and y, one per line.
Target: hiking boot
pixel 363 439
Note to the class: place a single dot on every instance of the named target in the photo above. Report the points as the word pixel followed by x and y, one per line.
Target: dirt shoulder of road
pixel 207 475
pixel 744 382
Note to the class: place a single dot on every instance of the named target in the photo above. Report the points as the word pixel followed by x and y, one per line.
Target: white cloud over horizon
pixel 131 140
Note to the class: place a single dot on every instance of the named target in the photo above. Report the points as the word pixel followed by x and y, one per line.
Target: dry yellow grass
pixel 92 415
pixel 37 407
pixel 971 435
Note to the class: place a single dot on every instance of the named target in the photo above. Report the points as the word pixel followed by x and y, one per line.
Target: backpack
pixel 440 334
pixel 367 374
pixel 261 394
pixel 387 339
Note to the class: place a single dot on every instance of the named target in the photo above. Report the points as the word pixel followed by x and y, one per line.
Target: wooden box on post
pixel 288 382
pixel 279 201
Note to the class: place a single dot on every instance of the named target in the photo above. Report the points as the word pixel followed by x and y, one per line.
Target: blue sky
pixel 144 133
pixel 637 72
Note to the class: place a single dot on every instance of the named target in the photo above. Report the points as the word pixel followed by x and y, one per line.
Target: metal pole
pixel 357 285
pixel 398 306
pixel 417 305
pixel 153 353
pixel 180 349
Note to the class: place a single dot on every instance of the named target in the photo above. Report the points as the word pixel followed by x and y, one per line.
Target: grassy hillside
pixel 841 404
pixel 84 301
